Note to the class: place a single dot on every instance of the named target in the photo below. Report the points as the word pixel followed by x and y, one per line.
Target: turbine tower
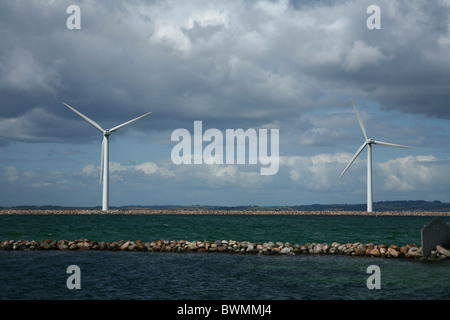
pixel 368 143
pixel 104 171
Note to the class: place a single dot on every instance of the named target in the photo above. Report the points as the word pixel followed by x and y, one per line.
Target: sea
pixel 120 275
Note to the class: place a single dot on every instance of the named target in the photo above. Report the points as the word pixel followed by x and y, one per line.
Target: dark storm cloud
pixel 232 64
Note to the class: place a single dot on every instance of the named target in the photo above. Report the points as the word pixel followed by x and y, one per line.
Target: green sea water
pixel 300 229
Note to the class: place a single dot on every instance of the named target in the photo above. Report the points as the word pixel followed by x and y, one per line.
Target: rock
pixel 443 251
pixel 335 244
pixel 392 252
pixel 342 248
pixel 375 252
pixel 318 248
pixel 275 250
pixel 125 245
pixel 360 250
pixel 404 249
pixel 192 246
pixel 131 246
pixel 285 250
pixel 85 245
pixel 43 245
pixel 413 252
pixel 396 248
pixel 349 251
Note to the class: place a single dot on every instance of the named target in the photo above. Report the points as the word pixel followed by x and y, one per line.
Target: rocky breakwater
pixel 408 251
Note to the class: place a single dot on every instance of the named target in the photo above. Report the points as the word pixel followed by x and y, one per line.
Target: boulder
pixel 392 246
pixel 275 250
pixel 375 252
pixel 125 245
pixel 392 252
pixel 443 251
pixel 285 250
pixel 360 250
pixel 318 248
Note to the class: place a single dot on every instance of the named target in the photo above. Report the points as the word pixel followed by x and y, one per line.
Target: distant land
pixel 409 205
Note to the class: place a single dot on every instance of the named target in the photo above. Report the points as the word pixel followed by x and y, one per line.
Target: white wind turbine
pixel 104 171
pixel 368 143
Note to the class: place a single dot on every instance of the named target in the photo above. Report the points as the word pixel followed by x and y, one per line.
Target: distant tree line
pixel 407 205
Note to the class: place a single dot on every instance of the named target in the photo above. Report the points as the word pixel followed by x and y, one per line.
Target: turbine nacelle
pixel 370 141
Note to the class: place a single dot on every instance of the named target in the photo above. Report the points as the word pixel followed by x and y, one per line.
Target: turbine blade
pixel 353 159
pixel 92 122
pixel 101 165
pixel 128 122
pixel 361 124
pixel 390 144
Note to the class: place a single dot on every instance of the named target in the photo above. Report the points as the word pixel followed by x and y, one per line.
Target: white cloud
pixel 361 55
pixel 318 172
pixel 90 170
pixel 21 70
pixel 413 173
pixel 11 174
pixel 42 184
pixel 151 168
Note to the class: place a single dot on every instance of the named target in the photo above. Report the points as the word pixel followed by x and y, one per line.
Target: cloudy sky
pixel 286 65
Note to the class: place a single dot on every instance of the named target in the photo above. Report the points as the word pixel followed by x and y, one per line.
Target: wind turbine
pixel 104 171
pixel 368 143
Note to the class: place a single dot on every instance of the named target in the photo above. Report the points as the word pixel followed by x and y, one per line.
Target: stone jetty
pixel 219 212
pixel 408 251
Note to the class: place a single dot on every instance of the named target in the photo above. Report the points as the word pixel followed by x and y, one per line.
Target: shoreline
pixel 221 212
